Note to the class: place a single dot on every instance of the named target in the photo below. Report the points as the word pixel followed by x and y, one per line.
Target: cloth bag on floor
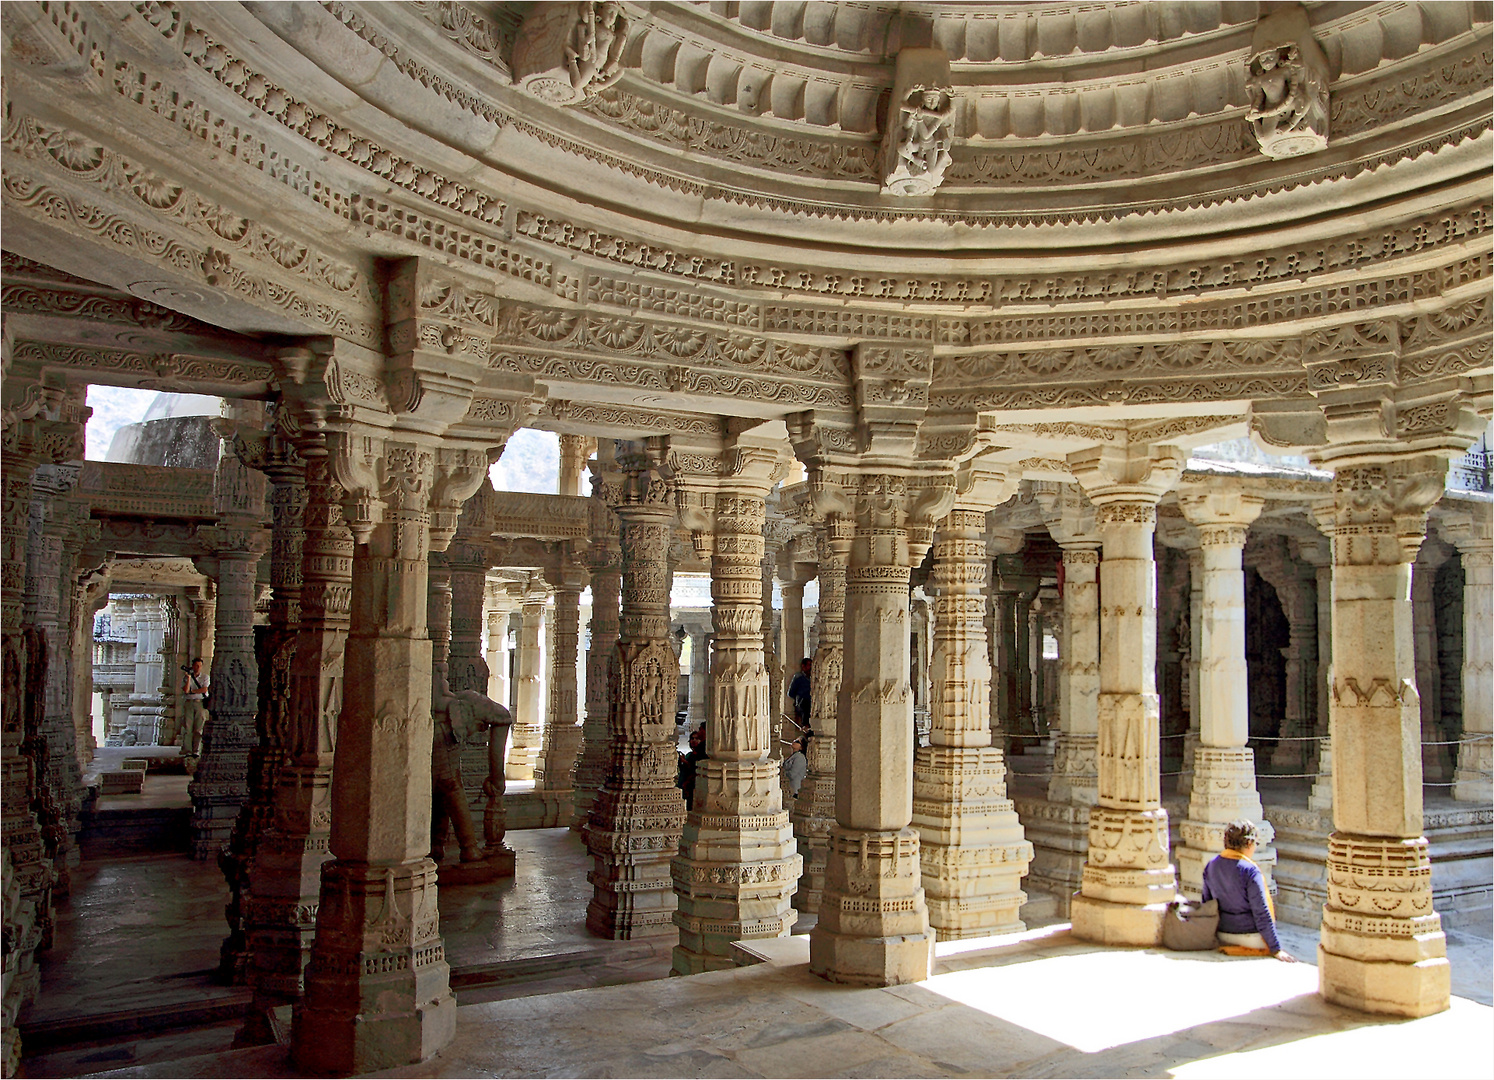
pixel 1190 927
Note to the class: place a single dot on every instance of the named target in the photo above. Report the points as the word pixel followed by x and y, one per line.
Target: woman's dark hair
pixel 1237 834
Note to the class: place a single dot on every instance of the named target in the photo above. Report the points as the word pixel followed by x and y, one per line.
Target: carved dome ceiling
pixel 1106 209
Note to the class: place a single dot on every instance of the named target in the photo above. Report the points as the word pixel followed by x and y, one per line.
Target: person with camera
pixel 195 688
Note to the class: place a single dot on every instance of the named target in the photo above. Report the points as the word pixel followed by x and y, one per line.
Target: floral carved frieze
pixel 162 370
pixel 152 491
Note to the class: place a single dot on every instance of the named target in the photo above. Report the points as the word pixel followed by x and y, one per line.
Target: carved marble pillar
pixel 377 990
pixel 1318 554
pixel 873 926
pixel 604 562
pixel 1436 761
pixel 813 813
pixel 634 828
pixel 29 439
pixel 1224 788
pixel 737 866
pixel 1474 538
pixel 1382 948
pixel 1075 776
pixel 145 702
pixel 498 607
pixel 273 454
pixel 1292 583
pixel 793 640
pixel 1127 879
pixel 90 594
pixel 972 850
pixel 220 785
pixel 285 875
pixel 529 728
pixel 1195 669
pixel 52 553
pixel 562 731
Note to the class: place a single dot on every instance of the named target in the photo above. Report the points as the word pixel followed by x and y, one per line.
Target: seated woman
pixel 1247 926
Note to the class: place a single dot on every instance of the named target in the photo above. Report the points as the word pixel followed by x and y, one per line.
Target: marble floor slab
pixel 1040 1004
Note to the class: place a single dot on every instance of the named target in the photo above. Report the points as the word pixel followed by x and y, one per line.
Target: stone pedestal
pixel 973 852
pixel 1224 787
pixel 634 828
pixel 737 866
pixel 1127 881
pixel 1382 948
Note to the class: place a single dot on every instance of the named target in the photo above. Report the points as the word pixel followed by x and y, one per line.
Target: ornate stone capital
pixel 1122 472
pixel 1379 510
pixel 1211 506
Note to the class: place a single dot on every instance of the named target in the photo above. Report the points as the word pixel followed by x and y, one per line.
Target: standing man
pixel 195 691
pixel 799 694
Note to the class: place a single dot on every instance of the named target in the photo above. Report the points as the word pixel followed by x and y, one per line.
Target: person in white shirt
pixel 795 766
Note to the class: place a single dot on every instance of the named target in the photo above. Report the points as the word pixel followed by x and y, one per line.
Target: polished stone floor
pixel 1038 1004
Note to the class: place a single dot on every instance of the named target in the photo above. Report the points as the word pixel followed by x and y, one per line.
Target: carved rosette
pixel 634 828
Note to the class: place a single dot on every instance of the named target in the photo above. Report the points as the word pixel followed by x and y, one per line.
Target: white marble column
pixel 1436 759
pixel 1224 787
pixel 529 728
pixel 1474 537
pixel 738 865
pixel 604 560
pixel 498 605
pixel 873 924
pixel 377 992
pixel 1070 520
pixel 973 853
pixel 813 812
pixel 1381 947
pixel 1318 553
pixel 1127 879
pixel 562 741
pixel 636 820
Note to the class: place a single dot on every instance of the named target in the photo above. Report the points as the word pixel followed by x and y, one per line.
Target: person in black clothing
pixel 688 763
pixel 799 693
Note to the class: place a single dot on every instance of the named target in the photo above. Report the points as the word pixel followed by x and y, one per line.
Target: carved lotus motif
pixel 1115 358
pixel 681 341
pixel 617 333
pixel 1048 362
pixel 72 151
pixel 547 325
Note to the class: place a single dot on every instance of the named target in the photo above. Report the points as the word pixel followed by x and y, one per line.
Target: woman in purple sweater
pixel 1246 920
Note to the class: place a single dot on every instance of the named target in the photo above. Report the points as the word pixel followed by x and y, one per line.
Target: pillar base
pixel 493 866
pixel 378 989
pixel 632 836
pixel 873 927
pixel 1386 987
pixel 1109 923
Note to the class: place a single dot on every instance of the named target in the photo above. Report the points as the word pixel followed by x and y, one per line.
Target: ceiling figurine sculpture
pixel 566 52
pixel 1288 86
pixel 920 124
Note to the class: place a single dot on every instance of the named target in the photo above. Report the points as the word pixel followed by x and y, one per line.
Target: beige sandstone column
pixel 1382 948
pixel 972 853
pixel 1075 779
pixel 813 813
pixel 220 785
pixel 529 727
pixel 1127 880
pixel 285 877
pixel 605 563
pixel 873 924
pixel 1292 582
pixel 1319 554
pixel 737 866
pixel 1224 787
pixel 273 454
pixel 497 607
pixel 562 730
pixel 377 992
pixel 1436 761
pixel 1474 537
pixel 636 820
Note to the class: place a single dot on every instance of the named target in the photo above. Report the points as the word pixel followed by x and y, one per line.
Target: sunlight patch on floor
pixel 1095 1001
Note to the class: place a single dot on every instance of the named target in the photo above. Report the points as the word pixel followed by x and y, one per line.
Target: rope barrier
pixel 1285 738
